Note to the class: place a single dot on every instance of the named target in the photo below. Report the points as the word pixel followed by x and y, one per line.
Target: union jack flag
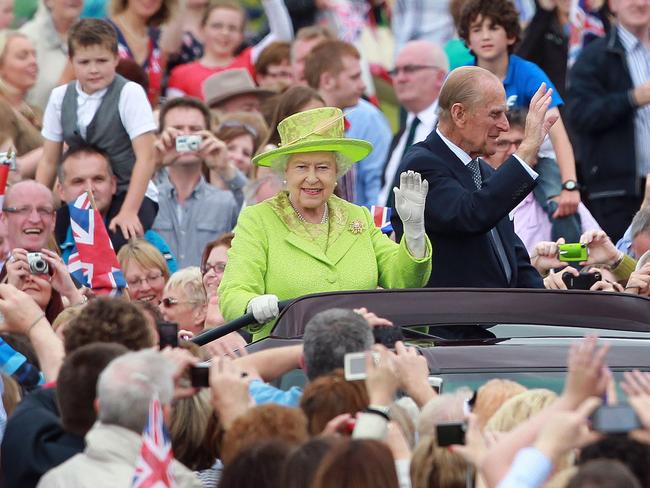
pixel 94 264
pixel 154 465
pixel 381 216
pixel 585 26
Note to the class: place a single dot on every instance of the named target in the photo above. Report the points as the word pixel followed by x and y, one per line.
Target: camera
pixel 615 419
pixel 584 281
pixel 573 252
pixel 188 143
pixel 37 265
pixel 448 434
pixel 355 365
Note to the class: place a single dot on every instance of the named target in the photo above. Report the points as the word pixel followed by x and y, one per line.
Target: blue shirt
pixel 368 123
pixel 523 80
pixel 263 393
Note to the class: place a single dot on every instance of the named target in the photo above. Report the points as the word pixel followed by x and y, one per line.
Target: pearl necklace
pixel 303 219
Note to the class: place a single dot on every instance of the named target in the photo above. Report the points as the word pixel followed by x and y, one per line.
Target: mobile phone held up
pixel 200 375
pixel 584 281
pixel 167 334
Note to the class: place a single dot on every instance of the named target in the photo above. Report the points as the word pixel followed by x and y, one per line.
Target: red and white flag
pixel 154 465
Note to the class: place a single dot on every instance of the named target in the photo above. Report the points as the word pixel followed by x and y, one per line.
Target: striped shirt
pixel 638 62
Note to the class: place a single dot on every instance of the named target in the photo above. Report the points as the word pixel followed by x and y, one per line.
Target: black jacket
pixel 34 441
pixel 600 112
pixel 458 218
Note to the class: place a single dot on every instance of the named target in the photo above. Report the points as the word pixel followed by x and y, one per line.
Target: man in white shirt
pixel 420 70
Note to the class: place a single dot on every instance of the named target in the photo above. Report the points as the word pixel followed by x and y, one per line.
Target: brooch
pixel 356 227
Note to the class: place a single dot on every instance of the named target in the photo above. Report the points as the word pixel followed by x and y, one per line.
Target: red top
pixel 189 77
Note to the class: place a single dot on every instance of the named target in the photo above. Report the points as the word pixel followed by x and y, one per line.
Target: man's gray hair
pixel 329 336
pixel 127 385
pixel 464 85
pixel 640 223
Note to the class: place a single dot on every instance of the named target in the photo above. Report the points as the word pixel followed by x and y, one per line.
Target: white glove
pixel 410 199
pixel 264 308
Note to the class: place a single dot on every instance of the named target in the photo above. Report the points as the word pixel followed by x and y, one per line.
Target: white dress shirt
pixel 466 158
pixel 428 119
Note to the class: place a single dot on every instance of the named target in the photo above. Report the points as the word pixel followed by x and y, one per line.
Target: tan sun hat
pixel 230 83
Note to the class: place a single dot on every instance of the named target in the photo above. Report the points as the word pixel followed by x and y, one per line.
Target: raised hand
pixel 410 200
pixel 537 123
pixel 410 197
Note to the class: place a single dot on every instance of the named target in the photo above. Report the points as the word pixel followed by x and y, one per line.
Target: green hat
pixel 319 129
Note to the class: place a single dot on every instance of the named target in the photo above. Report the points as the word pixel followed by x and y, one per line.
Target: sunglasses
pixel 172 302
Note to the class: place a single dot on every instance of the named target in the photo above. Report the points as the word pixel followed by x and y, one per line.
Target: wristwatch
pixel 570 185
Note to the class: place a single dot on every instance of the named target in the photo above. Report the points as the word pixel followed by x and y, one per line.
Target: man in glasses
pixel 420 69
pixel 192 212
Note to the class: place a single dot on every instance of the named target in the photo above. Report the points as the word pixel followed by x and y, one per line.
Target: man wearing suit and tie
pixel 467 207
pixel 420 70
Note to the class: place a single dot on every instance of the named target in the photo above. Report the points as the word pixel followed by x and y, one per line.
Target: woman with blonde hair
pixel 185 301
pixel 18 119
pixel 145 270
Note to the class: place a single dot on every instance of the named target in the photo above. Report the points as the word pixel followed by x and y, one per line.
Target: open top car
pixel 472 335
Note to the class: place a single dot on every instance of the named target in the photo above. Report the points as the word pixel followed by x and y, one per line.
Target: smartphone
pixel 200 375
pixel 450 433
pixel 584 281
pixel 167 334
pixel 572 252
pixel 436 383
pixel 615 419
pixel 354 364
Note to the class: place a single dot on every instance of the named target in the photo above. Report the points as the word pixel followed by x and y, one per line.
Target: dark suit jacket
pixel 458 219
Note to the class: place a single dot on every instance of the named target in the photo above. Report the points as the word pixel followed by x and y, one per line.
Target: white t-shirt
pixel 134 109
pixel 133 106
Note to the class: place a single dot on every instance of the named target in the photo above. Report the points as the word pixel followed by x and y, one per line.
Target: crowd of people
pixel 504 144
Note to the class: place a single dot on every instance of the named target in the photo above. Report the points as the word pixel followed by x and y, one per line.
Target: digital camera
pixel 37 265
pixel 188 143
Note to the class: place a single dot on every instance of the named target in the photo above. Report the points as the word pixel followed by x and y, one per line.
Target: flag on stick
pixel 154 467
pixel 94 264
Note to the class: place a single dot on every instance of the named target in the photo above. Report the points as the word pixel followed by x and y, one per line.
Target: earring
pixel 284 182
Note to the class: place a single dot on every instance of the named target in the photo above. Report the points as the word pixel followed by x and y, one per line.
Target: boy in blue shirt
pixel 491 29
pixel 104 110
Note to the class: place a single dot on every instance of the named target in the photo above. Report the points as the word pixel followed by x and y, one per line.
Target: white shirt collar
pixel 428 117
pixel 94 96
pixel 462 155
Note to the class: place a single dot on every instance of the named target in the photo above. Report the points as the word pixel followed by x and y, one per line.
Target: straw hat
pixel 319 129
pixel 230 83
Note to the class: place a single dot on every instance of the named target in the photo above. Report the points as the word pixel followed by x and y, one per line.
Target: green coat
pixel 273 253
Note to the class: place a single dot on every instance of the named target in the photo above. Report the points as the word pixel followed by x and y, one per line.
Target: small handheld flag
pixel 154 467
pixel 381 217
pixel 95 263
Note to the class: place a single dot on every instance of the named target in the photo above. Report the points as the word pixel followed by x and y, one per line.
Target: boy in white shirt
pixel 104 110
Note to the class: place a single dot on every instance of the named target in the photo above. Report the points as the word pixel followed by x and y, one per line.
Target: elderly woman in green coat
pixel 306 239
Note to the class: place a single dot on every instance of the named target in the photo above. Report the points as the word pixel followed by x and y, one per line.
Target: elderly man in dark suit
pixel 468 204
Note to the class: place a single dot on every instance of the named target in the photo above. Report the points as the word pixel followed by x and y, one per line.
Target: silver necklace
pixel 302 218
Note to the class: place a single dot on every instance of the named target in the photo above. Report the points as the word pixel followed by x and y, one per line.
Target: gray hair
pixel 465 85
pixel 190 281
pixel 330 335
pixel 343 163
pixel 640 222
pixel 448 407
pixel 127 385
